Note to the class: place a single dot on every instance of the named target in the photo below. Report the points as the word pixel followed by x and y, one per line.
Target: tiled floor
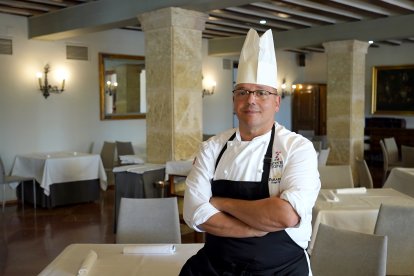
pixel 31 239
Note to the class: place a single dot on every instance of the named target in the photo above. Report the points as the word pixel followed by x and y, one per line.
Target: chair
pixel 148 220
pixel 124 148
pixel 323 156
pixel 307 133
pixel 364 175
pixel 7 179
pixel 397 222
pixel 317 145
pixel 90 149
pixel 108 157
pixel 407 156
pixel 342 253
pixel 335 177
pixel 387 166
pixel 392 151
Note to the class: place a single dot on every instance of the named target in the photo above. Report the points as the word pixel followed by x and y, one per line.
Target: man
pixel 252 189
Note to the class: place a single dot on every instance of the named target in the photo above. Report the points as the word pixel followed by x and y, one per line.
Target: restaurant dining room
pixel 105 105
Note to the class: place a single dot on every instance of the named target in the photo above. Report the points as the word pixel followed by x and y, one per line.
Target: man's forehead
pixel 254 86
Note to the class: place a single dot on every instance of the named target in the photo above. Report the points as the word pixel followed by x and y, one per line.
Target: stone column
pixel 173 58
pixel 345 100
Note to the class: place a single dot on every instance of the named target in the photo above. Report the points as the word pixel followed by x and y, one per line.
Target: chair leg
pixel 34 193
pixel 22 193
pixel 4 197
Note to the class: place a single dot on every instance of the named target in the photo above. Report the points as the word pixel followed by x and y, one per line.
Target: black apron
pixel 273 254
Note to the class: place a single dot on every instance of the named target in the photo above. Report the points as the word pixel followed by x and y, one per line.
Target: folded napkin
pixel 360 190
pixel 160 249
pixel 87 263
pixel 330 196
pixel 131 159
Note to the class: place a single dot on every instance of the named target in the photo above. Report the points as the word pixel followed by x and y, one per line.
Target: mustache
pixel 250 108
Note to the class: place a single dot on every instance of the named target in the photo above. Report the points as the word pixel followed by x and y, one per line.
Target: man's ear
pixel 278 99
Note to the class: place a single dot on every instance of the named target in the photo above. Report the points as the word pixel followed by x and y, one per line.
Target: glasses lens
pixel 240 93
pixel 262 93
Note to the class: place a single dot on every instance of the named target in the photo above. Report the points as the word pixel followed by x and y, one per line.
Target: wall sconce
pixel 47 88
pixel 284 91
pixel 208 86
pixel 111 87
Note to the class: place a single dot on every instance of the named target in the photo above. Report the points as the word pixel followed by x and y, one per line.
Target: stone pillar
pixel 345 100
pixel 173 58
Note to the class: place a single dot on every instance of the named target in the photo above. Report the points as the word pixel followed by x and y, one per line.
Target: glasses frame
pixel 254 92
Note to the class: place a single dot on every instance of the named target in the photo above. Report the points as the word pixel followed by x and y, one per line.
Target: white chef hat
pixel 257 63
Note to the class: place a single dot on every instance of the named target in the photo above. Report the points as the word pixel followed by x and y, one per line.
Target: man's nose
pixel 251 96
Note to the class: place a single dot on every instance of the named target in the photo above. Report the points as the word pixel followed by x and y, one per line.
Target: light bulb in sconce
pixel 44 84
pixel 209 85
pixel 284 90
pixel 111 87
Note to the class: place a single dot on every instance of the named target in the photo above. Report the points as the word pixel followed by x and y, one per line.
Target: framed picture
pixel 393 90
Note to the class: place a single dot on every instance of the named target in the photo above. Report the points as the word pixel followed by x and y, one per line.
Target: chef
pixel 252 189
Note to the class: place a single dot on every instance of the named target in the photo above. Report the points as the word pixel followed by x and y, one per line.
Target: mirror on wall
pixel 122 86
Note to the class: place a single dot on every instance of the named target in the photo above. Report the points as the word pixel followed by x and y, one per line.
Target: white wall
pixel 217 108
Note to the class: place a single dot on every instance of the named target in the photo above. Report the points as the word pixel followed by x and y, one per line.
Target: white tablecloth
pixel 401 179
pixel 181 168
pixel 60 167
pixel 138 168
pixel 111 261
pixel 356 212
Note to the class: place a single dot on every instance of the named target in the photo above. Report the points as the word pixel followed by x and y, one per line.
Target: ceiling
pixel 280 15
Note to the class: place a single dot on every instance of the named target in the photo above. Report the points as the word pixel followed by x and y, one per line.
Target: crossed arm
pixel 250 218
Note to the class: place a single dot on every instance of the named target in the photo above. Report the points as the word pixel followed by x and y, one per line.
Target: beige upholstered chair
pixel 387 165
pixel 124 148
pixel 317 145
pixel 7 179
pixel 364 175
pixel 336 177
pixel 392 151
pixel 108 160
pixel 343 253
pixel 323 156
pixel 148 220
pixel 397 223
pixel 407 156
pixel 307 133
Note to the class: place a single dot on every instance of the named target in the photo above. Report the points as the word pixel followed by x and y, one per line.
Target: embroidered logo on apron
pixel 276 168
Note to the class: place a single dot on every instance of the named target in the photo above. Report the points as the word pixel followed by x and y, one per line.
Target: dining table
pixel 63 175
pixel 354 209
pixel 121 259
pixel 401 179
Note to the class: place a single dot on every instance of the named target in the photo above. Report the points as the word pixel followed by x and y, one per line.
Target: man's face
pixel 253 111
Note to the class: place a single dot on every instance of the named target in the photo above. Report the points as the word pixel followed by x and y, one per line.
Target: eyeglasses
pixel 244 94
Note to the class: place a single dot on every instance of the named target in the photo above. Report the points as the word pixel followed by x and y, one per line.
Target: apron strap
pixel 268 158
pixel 223 150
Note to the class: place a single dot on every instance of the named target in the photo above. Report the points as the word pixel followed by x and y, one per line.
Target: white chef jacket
pixel 293 175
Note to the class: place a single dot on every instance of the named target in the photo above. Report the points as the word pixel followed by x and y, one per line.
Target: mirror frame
pixel 103 115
